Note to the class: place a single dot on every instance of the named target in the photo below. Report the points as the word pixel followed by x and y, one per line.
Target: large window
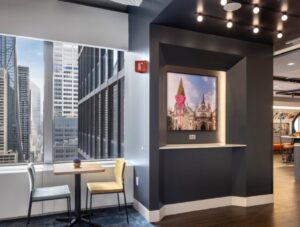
pixel 21 95
pixel 87 101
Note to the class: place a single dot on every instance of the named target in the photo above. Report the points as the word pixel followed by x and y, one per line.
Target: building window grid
pixel 101 116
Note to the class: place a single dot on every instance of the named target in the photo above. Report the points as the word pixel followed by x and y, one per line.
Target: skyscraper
pixel 65 78
pixel 101 103
pixel 5 157
pixel 3 111
pixel 65 100
pixel 8 61
pixel 24 101
pixel 36 138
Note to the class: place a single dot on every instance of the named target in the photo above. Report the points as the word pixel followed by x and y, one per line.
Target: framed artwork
pixel 191 102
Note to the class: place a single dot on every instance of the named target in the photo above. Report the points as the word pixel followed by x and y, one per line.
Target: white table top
pixel 68 168
pixel 199 146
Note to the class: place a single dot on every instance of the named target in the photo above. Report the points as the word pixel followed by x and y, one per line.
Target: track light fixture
pixel 200 18
pixel 256 9
pixel 284 17
pixel 223 2
pixel 256 30
pixel 229 24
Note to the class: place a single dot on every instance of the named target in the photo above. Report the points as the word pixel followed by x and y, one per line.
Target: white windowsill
pixel 49 167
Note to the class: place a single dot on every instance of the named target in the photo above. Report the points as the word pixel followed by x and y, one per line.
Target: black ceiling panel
pixel 183 13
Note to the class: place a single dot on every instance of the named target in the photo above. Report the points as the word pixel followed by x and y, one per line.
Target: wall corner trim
pixel 178 208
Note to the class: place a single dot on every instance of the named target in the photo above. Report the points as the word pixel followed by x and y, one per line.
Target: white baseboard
pixel 178 208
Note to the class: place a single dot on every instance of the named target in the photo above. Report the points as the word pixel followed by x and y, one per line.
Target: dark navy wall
pixel 245 172
pixel 181 182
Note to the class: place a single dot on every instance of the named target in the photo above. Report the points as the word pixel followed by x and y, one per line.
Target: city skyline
pixel 20 64
pixel 29 64
pixel 30 53
pixel 8 62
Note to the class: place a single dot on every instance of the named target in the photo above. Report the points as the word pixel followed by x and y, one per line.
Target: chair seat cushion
pixel 104 187
pixel 48 193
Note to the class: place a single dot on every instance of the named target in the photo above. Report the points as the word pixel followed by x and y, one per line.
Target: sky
pixel 194 87
pixel 30 52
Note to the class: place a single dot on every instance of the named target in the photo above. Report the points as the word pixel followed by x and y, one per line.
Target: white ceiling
pixel 283 86
pixel 282 69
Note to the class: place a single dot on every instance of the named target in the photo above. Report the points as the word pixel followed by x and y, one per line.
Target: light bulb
pixel 284 17
pixel 255 30
pixel 229 24
pixel 199 18
pixel 279 35
pixel 223 2
pixel 256 10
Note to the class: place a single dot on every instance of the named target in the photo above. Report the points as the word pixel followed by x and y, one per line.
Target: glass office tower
pixel 25 108
pixel 65 101
pixel 36 140
pixel 101 103
pixel 8 61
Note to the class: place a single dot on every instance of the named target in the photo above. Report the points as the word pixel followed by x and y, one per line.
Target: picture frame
pixel 191 101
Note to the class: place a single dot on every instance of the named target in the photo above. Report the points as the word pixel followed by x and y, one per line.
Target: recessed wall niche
pixel 188 60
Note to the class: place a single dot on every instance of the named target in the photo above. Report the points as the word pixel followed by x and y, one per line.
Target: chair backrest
pixel 119 171
pixel 31 175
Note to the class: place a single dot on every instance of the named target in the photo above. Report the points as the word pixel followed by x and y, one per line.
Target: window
pixel 87 100
pixel 21 74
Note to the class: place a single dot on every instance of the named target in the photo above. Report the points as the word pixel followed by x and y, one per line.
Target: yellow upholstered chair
pixel 116 186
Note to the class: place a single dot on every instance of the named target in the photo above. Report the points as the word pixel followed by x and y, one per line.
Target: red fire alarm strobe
pixel 141 66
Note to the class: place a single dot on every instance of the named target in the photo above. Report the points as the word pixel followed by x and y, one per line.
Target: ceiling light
pixel 229 24
pixel 233 6
pixel 279 35
pixel 199 18
pixel 291 64
pixel 284 17
pixel 256 30
pixel 256 10
pixel 223 2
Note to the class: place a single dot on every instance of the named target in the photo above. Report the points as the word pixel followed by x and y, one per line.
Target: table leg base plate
pixel 82 220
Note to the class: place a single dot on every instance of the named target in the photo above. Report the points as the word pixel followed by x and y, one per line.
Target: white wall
pixel 14 190
pixel 136 123
pixel 62 21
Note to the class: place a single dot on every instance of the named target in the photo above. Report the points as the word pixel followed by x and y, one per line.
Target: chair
pixel 288 153
pixel 46 193
pixel 116 186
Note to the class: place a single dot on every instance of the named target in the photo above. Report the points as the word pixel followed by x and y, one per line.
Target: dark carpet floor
pixel 109 217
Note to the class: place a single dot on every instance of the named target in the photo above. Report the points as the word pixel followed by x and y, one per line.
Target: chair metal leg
pixel 118 202
pixel 126 206
pixel 86 200
pixel 29 211
pixel 69 208
pixel 91 205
